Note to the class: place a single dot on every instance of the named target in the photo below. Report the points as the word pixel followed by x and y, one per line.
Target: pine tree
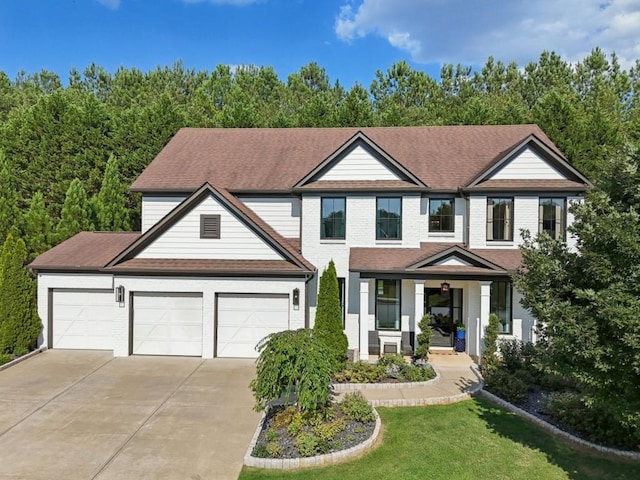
pixel 37 227
pixel 328 323
pixel 20 325
pixel 76 212
pixel 111 202
pixel 9 213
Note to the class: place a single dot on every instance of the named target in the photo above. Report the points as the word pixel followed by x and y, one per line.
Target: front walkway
pixel 458 379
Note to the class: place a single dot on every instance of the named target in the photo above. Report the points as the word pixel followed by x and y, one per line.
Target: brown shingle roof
pixel 528 185
pixel 202 266
pixel 85 251
pixel 369 259
pixel 368 185
pixel 264 159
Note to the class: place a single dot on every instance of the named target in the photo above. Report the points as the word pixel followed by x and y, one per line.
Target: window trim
pixel 322 219
pixel 399 289
pixel 563 223
pixel 453 214
pixel 378 237
pixel 510 219
pixel 215 235
pixel 509 319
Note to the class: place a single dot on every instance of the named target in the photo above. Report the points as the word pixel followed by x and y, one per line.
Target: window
pixel 441 215
pixel 388 304
pixel 389 218
pixel 341 291
pixel 332 223
pixel 551 217
pixel 500 219
pixel 209 226
pixel 500 304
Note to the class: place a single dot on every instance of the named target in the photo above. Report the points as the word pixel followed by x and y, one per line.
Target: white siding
pixel 281 213
pixel 359 165
pixel 527 166
pixel 453 261
pixel 155 208
pixel 236 240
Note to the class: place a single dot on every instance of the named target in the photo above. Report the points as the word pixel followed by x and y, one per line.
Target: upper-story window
pixel 333 218
pixel 551 217
pixel 500 219
pixel 441 215
pixel 389 218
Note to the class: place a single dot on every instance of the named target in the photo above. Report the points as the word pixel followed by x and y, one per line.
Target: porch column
pixel 418 309
pixel 364 319
pixel 485 309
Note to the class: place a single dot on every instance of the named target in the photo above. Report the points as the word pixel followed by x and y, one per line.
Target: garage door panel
pixel 82 319
pixel 167 324
pixel 245 319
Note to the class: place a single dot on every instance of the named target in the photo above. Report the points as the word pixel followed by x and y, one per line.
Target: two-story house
pixel 238 225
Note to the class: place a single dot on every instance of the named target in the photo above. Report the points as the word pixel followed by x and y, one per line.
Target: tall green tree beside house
pixel 588 300
pixel 19 322
pixel 328 323
pixel 110 204
pixel 76 212
pixel 9 212
pixel 38 227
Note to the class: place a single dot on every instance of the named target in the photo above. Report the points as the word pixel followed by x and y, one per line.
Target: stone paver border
pixel 16 361
pixel 560 433
pixel 305 462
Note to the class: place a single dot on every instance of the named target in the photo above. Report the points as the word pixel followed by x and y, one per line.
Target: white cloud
pixel 468 31
pixel 112 4
pixel 238 3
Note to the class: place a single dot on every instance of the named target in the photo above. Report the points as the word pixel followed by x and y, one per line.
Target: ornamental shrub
pixel 490 361
pixel 328 322
pixel 356 407
pixel 294 366
pixel 424 337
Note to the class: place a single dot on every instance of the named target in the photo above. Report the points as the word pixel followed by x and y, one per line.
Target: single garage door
pixel 82 318
pixel 245 319
pixel 167 324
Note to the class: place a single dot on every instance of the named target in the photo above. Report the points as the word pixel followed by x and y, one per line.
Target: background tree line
pixel 51 134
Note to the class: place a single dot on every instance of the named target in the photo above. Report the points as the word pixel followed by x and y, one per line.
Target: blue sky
pixel 351 39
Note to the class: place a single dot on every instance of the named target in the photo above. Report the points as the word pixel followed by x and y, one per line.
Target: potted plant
pixel 460 344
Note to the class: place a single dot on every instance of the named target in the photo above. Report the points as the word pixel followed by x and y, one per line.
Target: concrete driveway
pixel 68 414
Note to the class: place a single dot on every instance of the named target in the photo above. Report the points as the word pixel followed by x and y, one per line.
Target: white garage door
pixel 167 324
pixel 245 319
pixel 82 318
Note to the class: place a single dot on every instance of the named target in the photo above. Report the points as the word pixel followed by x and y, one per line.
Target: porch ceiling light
pixel 444 288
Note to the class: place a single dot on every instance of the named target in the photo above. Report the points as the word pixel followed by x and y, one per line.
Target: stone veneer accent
pixel 557 432
pixel 304 462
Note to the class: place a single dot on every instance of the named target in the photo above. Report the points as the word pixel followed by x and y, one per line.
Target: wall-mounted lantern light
pixel 120 294
pixel 444 288
pixel 296 297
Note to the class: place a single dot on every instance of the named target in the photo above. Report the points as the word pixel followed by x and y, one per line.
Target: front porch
pixel 390 310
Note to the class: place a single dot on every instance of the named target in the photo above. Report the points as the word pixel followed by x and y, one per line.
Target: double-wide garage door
pixel 245 319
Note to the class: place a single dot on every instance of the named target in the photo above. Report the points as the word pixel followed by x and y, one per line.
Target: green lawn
pixel 468 440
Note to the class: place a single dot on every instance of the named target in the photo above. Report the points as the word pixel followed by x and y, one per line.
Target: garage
pixel 81 319
pixel 167 324
pixel 242 320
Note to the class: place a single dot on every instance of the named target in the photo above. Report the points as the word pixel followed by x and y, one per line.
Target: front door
pixel 445 309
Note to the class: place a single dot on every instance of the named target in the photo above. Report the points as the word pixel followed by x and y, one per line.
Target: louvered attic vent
pixel 209 226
